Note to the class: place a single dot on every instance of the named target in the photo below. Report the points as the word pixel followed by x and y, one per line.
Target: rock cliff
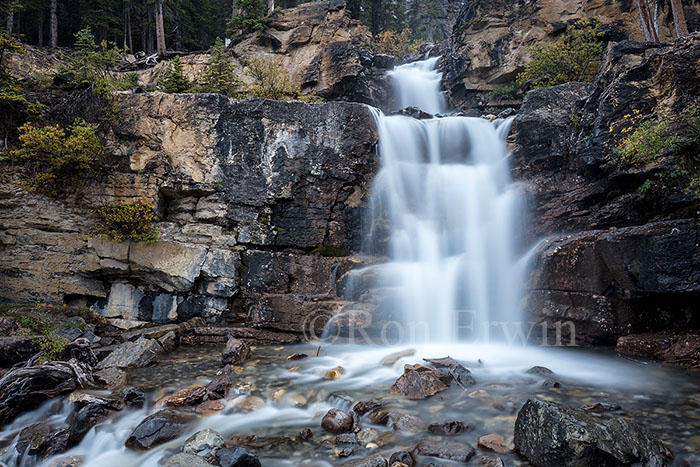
pixel 620 255
pixel 251 195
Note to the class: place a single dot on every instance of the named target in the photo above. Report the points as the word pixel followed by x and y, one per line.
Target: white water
pixel 445 188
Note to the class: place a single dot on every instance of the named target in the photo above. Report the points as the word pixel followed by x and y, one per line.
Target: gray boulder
pixel 132 354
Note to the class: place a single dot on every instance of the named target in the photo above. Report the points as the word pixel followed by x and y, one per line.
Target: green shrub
pixel 252 17
pixel 641 142
pixel 506 92
pixel 174 80
pixel 126 220
pixel 574 57
pixel 55 160
pixel 395 43
pixel 271 81
pixel 219 76
pixel 90 64
pixel 51 345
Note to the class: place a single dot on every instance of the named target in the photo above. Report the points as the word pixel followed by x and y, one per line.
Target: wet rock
pixel 185 460
pixel 345 452
pixel 84 420
pixel 158 428
pixel 539 370
pixel 600 407
pixel 67 461
pixel 185 397
pixel 362 407
pixel 493 442
pixel 337 421
pixel 85 397
pixel 550 383
pixel 346 438
pixel 236 352
pixel 113 378
pixel 417 384
pixel 42 439
pixel 549 434
pixel 443 375
pixel 389 360
pixel 403 457
pixel 462 376
pixel 335 373
pixel 297 356
pixel 385 62
pixel 489 462
pixel 445 449
pixel 449 428
pixel 237 457
pixel 413 112
pixel 168 341
pixel 132 396
pixel 210 407
pixel 677 348
pixel 374 461
pixel 132 354
pixel 220 385
pixel 203 443
pixel 249 404
pixel 445 362
pixel 366 436
pixel 306 434
pixel 408 423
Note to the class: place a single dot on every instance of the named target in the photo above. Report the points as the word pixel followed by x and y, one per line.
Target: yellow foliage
pixel 395 43
pixel 271 81
pixel 126 220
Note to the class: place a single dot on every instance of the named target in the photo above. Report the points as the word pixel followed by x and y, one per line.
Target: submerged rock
pixel 493 442
pixel 337 421
pixel 462 376
pixel 210 407
pixel 132 354
pixel 158 428
pixel 408 423
pixel 82 421
pixel 449 428
pixel 389 360
pixel 236 352
pixel 362 407
pixel 237 457
pixel 402 457
pixel 112 378
pixel 191 395
pixel 443 449
pixel 552 435
pixel 374 461
pixel 185 460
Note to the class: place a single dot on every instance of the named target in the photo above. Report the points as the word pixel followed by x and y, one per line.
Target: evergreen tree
pixel 175 80
pixel 250 17
pixel 219 76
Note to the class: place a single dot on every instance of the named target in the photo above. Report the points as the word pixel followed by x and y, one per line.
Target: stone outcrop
pixel 619 254
pixel 490 40
pixel 249 193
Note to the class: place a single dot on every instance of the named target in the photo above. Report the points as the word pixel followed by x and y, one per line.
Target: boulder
pixel 449 428
pixel 113 378
pixel 82 421
pixel 158 428
pixel 185 460
pixel 132 354
pixel 549 434
pixel 462 376
pixel 185 397
pixel 417 384
pixel 204 443
pixel 337 421
pixel 220 385
pixel 236 352
pixel 83 397
pixel 237 457
pixel 373 461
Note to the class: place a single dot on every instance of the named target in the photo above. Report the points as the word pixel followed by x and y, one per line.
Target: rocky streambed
pixel 321 404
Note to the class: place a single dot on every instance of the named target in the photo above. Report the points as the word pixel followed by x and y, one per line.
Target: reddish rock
pixel 417 384
pixel 493 442
pixel 236 352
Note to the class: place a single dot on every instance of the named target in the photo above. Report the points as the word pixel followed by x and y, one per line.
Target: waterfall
pixel 445 196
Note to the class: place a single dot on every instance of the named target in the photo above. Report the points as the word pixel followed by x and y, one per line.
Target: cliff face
pixel 245 190
pixel 620 255
pixel 489 42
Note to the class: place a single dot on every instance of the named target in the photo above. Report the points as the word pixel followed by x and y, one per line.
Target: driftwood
pixel 25 387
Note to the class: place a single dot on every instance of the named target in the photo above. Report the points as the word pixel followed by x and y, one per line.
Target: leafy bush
pixel 642 142
pixel 271 80
pixel 56 160
pixel 509 91
pixel 126 220
pixel 575 56
pixel 251 17
pixel 90 63
pixel 395 43
pixel 51 345
pixel 174 80
pixel 219 76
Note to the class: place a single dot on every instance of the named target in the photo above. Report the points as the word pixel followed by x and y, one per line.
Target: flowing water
pixel 445 212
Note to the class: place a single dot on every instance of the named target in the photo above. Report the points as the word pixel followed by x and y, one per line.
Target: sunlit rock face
pixel 250 195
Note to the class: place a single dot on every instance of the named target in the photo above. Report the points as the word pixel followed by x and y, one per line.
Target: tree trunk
pixel 10 22
pixel 647 25
pixel 657 11
pixel 54 25
pixel 270 7
pixel 40 33
pixel 160 29
pixel 679 18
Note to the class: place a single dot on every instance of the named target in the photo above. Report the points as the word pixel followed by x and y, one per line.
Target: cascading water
pixel 445 190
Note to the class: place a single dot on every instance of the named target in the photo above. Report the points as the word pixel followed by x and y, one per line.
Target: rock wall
pixel 250 194
pixel 621 249
pixel 490 40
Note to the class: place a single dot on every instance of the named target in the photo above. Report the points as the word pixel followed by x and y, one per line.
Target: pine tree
pixel 219 76
pixel 174 80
